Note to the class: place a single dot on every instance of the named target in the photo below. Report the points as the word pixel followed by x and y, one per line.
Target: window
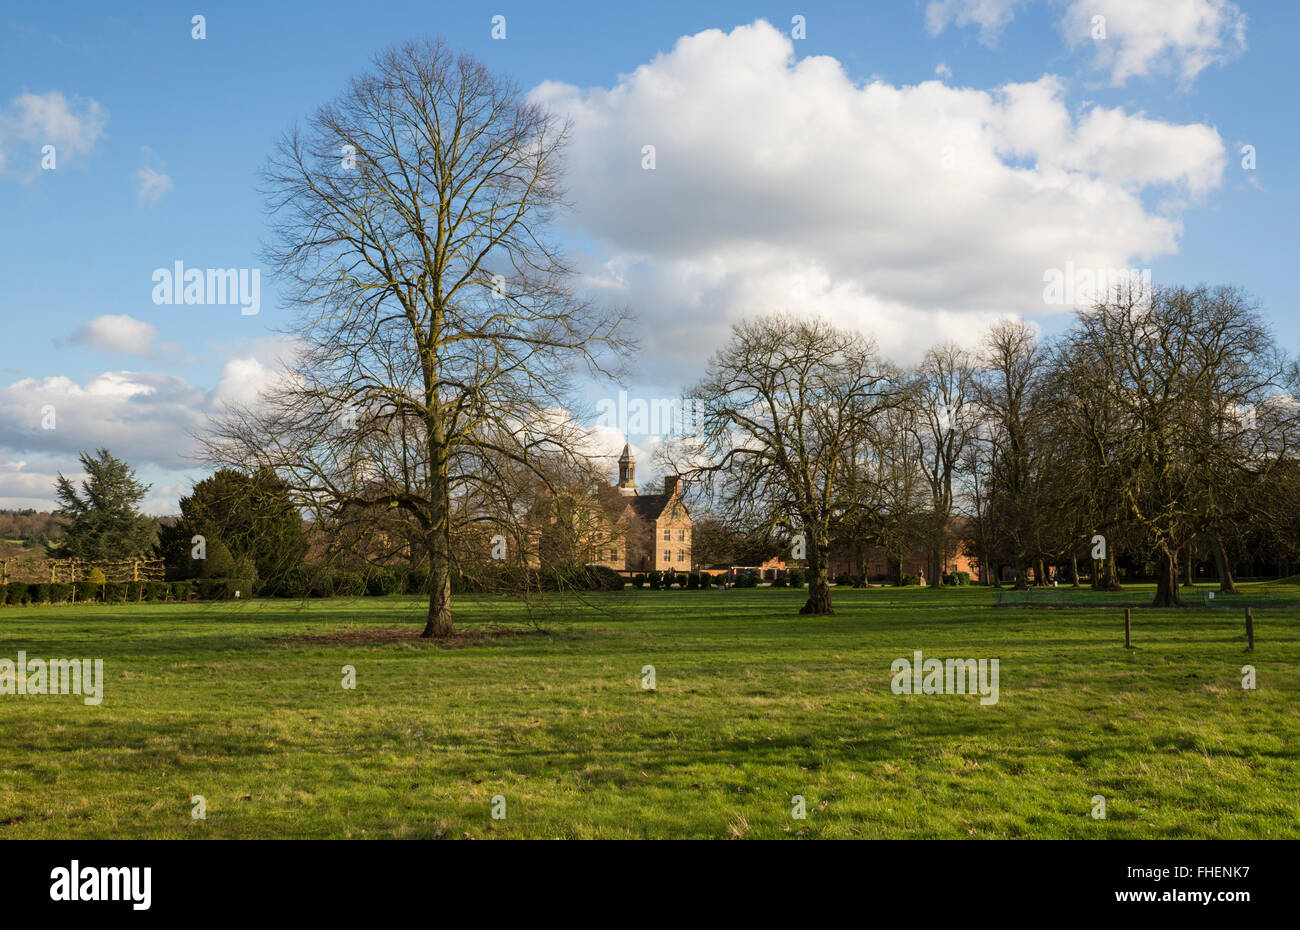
pixel 681 536
pixel 613 555
pixel 668 555
pixel 668 534
pixel 681 555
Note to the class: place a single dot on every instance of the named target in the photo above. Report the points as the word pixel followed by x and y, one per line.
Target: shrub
pixel 693 581
pixel 963 578
pixel 156 590
pixel 796 578
pixel 18 593
pixel 88 590
pixel 219 562
pixel 182 590
pixel 638 581
pixel 909 579
pixel 383 582
pixel 39 593
pixel 746 580
pixel 96 577
pixel 417 580
pixel 780 583
pixel 293 582
pixel 114 592
pixel 347 583
pixel 656 580
pixel 60 593
pixel 844 579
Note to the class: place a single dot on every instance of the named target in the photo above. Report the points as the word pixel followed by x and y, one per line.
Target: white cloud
pixel 941 70
pixel 1145 37
pixel 1142 37
pixel 148 419
pixel 124 335
pixel 916 212
pixel 151 185
pixel 990 15
pixel 31 121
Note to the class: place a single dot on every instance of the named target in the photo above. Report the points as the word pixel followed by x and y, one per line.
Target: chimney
pixel 670 485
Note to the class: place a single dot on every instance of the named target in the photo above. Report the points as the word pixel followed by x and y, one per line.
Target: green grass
pixel 754 704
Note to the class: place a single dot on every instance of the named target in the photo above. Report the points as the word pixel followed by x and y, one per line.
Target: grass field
pixel 754 704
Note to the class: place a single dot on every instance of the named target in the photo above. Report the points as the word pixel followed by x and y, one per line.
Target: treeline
pixel 1162 428
pixel 30 527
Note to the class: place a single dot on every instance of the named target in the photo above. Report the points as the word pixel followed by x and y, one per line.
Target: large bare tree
pixel 782 404
pixel 440 332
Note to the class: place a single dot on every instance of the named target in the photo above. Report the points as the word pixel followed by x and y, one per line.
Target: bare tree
pixel 781 404
pixel 440 332
pixel 943 423
pixel 1177 370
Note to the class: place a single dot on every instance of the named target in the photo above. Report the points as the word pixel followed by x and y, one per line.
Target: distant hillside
pixel 28 529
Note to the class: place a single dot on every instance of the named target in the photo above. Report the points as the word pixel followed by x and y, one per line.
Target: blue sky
pixel 161 137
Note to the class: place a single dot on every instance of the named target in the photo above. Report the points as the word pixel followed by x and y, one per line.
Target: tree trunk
pixel 1022 581
pixel 819 589
pixel 1227 585
pixel 1040 574
pixel 1167 579
pixel 1188 580
pixel 936 574
pixel 440 622
pixel 1074 570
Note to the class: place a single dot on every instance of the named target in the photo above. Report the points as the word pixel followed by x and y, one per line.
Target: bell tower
pixel 627 472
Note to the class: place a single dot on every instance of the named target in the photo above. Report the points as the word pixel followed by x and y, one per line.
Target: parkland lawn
pixel 754 704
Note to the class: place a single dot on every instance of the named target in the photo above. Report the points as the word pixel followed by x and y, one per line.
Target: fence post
pixel 1128 629
pixel 1250 628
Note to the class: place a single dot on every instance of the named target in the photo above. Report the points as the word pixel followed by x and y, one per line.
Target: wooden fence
pixel 55 571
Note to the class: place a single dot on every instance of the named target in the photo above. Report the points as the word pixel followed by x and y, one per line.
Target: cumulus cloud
pixel 914 212
pixel 31 121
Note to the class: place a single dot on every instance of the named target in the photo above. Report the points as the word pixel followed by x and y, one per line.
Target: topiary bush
pixel 182 590
pixel 909 579
pixel 638 581
pixel 88 590
pixel 18 594
pixel 60 593
pixel 39 593
pixel 156 590
pixel 844 579
pixel 795 577
pixel 114 592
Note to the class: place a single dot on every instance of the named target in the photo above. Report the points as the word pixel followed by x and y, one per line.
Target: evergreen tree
pixel 103 520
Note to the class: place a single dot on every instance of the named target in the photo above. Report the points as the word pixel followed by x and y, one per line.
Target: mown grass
pixel 754 704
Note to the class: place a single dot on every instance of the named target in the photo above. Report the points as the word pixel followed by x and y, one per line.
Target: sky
pixel 911 169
